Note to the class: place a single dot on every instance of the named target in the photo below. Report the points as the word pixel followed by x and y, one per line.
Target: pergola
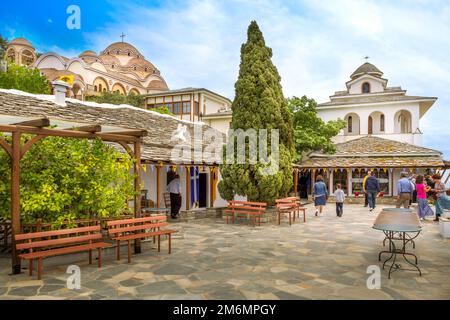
pixel 39 129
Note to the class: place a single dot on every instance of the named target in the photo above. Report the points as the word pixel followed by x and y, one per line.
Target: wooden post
pixel 188 188
pixel 313 179
pixel 295 182
pixel 158 187
pixel 15 199
pixel 137 190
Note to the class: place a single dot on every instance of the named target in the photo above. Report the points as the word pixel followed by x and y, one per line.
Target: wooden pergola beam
pixel 133 133
pixel 89 128
pixel 38 123
pixel 110 137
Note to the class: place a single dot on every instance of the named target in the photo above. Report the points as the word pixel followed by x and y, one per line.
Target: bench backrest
pixel 247 205
pixel 288 202
pixel 127 226
pixel 57 238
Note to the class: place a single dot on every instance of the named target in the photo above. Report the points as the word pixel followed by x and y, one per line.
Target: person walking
pixel 339 197
pixel 442 200
pixel 372 189
pixel 404 191
pixel 174 187
pixel 422 199
pixel 366 198
pixel 320 194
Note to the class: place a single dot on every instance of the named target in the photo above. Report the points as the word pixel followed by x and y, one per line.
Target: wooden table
pixel 401 226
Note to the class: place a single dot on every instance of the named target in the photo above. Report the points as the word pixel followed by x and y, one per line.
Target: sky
pixel 316 44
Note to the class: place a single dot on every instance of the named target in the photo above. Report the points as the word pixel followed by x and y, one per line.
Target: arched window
pixel 104 89
pixel 100 87
pixel 95 88
pixel 382 123
pixel 350 124
pixel 27 57
pixel 146 69
pixel 112 67
pixel 366 87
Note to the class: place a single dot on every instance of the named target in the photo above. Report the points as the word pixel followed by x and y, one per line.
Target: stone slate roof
pixel 370 151
pixel 366 68
pixel 157 146
pixel 365 99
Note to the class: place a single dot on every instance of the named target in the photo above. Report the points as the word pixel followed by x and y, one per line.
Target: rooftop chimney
pixel 60 88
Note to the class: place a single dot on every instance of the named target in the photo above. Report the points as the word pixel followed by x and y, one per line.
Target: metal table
pixel 402 226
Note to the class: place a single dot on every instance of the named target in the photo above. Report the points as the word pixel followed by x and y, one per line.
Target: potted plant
pixel 356 194
pixel 381 194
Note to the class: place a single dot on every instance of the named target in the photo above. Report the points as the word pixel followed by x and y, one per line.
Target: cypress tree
pixel 259 104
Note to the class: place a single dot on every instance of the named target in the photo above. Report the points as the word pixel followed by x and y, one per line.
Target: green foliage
pixel 25 79
pixel 117 98
pixel 162 110
pixel 3 46
pixel 259 104
pixel 310 131
pixel 65 179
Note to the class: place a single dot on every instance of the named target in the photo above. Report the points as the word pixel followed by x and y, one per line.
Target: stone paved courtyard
pixel 326 258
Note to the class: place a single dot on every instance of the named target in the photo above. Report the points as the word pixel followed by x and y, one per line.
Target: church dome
pixel 21 41
pixel 122 48
pixel 141 65
pixel 367 68
pixel 109 60
pixel 88 53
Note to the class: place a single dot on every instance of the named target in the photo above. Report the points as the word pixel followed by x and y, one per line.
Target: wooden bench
pixel 139 228
pixel 292 206
pixel 254 209
pixel 45 244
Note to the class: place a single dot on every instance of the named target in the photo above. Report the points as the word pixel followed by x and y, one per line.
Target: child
pixel 339 196
pixel 422 189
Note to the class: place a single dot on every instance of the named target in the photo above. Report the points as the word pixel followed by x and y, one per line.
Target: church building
pixel 382 134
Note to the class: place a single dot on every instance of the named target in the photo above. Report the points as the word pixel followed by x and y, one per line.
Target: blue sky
pixel 316 44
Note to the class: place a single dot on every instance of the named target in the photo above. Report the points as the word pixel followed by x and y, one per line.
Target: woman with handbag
pixel 320 194
pixel 442 200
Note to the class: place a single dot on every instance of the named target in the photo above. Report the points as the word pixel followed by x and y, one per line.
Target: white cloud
pixel 316 45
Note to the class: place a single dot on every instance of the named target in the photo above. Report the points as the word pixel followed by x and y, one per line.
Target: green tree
pixel 310 131
pixel 25 79
pixel 259 104
pixel 3 46
pixel 162 110
pixel 65 179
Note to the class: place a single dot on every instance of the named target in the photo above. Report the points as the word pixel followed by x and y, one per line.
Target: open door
pixel 203 180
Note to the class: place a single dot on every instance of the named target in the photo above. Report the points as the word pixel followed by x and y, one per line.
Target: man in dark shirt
pixel 372 187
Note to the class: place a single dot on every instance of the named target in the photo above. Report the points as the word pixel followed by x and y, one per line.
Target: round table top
pixel 397 221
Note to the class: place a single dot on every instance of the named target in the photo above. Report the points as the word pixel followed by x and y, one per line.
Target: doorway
pixel 203 178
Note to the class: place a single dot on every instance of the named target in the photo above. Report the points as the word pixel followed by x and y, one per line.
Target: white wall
pixel 389 111
pixel 220 124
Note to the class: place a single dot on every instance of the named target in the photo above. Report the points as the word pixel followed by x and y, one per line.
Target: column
pixel 330 182
pixel 158 187
pixel 188 187
pixel 349 182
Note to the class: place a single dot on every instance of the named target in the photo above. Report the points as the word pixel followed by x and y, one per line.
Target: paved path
pixel 326 258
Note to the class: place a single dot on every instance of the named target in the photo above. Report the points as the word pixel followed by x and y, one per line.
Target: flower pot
pixel 444 227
